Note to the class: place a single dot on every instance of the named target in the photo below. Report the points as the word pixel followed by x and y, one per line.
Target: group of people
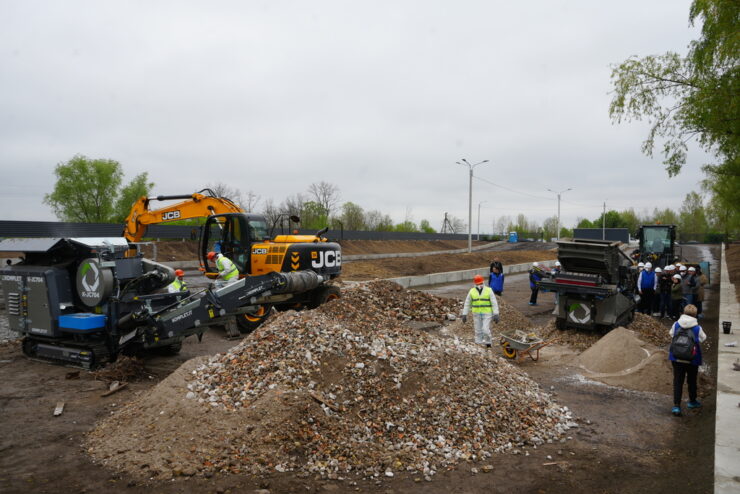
pixel 666 292
pixel 676 292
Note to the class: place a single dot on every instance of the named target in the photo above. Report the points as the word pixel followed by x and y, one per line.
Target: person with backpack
pixel 685 356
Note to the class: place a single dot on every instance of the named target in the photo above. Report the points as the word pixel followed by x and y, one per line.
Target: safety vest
pixel 226 268
pixel 480 303
pixel 179 286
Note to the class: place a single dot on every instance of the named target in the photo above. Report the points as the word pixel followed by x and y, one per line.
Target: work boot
pixel 676 411
pixel 693 404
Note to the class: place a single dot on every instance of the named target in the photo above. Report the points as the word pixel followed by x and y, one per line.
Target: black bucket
pixel 726 326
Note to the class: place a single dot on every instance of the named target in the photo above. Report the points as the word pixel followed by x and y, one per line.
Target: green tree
pixel 613 220
pixel 584 223
pixel 353 216
pixel 425 227
pixel 631 220
pixel 723 183
pixel 138 187
pixel 385 224
pixel 313 216
pixel 685 97
pixel 85 190
pixel 550 226
pixel 406 226
pixel 693 219
pixel 665 216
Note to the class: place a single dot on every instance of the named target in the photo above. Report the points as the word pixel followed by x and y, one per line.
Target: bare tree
pixel 250 201
pixel 293 205
pixel 326 195
pixel 270 211
pixel 502 224
pixel 373 219
pixel 223 190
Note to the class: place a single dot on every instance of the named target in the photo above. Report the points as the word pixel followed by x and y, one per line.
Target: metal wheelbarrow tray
pixel 516 344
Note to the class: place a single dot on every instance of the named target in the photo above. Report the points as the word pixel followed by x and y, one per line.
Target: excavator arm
pixel 196 205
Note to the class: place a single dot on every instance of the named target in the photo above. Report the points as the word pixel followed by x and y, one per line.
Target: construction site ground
pixel 626 442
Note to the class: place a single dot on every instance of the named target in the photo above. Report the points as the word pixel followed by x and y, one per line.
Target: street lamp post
pixel 464 162
pixel 558 193
pixel 479 218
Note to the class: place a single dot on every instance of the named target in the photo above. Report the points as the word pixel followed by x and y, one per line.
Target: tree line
pixel 92 191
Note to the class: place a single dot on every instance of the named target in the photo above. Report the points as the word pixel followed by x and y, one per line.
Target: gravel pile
pixel 404 305
pixel 646 327
pixel 344 390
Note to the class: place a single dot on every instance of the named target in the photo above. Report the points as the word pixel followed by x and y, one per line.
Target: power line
pixel 512 190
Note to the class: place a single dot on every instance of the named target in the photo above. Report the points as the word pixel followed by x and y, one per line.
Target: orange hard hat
pixel 211 256
pixel 179 272
pixel 478 279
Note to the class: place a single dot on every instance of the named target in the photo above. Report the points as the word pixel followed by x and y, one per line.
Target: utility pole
pixel 603 223
pixel 464 162
pixel 558 193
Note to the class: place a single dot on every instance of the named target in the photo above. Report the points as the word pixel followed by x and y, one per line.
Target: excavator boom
pixel 194 205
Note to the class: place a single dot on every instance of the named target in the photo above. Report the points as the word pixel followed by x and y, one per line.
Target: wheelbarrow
pixel 516 344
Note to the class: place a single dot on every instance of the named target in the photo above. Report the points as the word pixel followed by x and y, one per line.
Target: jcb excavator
pixel 244 238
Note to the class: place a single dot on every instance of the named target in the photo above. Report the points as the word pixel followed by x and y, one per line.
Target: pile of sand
pixel 622 359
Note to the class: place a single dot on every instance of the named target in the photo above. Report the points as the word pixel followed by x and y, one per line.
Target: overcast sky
pixel 378 98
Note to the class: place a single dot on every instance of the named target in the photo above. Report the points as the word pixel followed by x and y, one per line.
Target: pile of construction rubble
pixel 343 390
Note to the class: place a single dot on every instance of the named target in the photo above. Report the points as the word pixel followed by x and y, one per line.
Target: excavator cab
pixel 232 234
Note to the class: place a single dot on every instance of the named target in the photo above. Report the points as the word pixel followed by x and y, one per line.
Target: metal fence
pixel 26 229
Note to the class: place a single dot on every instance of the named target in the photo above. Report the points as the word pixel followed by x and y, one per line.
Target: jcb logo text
pixel 170 215
pixel 326 259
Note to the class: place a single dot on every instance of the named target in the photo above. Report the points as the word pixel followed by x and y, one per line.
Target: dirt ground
pixel 188 250
pixel 400 266
pixel 627 441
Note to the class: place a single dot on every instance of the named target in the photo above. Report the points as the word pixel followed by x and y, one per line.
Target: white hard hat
pixel 640 264
pixel 670 267
pixel 677 276
pixel 692 268
pixel 679 264
pixel 648 265
pixel 557 263
pixel 682 268
pixel 658 270
pixel 535 264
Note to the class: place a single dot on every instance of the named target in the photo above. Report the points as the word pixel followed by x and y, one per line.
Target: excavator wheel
pixel 250 321
pixel 322 295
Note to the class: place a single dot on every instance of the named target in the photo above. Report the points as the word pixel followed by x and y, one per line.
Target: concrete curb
pixel 466 275
pixel 366 257
pixel 727 419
